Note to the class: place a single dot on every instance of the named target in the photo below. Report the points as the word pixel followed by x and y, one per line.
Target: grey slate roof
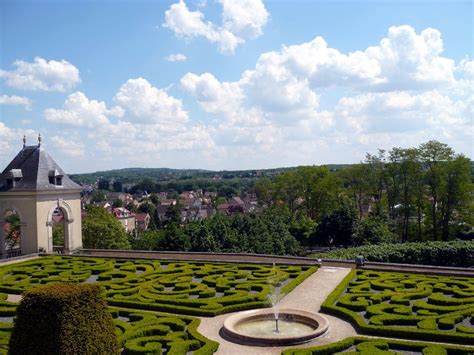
pixel 36 166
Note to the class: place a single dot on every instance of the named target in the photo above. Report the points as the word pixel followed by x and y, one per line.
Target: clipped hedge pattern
pixel 380 346
pixel 204 289
pixel 406 305
pixel 144 333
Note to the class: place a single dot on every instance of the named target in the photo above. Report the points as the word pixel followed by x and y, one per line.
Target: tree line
pixel 415 194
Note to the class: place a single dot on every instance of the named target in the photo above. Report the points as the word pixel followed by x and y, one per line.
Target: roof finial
pixel 24 141
pixel 39 140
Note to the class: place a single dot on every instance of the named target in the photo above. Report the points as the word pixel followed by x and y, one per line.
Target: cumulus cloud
pixel 42 75
pixel 80 111
pixel 147 120
pixel 245 18
pixel 242 20
pixel 402 112
pixel 16 100
pixel 69 147
pixel 145 103
pixel 287 85
pixel 178 57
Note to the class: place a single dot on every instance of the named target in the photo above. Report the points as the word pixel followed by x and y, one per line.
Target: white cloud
pixel 69 147
pixel 16 100
pixel 42 75
pixel 178 57
pixel 80 111
pixel 150 105
pixel 401 112
pixel 466 67
pixel 214 96
pixel 242 20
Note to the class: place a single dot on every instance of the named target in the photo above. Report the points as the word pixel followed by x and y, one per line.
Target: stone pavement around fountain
pixel 308 296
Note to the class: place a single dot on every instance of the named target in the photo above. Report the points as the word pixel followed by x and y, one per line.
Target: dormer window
pixel 13 176
pixel 55 177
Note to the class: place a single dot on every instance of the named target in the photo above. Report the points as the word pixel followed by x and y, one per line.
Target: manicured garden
pixel 380 346
pixel 386 304
pixel 401 305
pixel 204 289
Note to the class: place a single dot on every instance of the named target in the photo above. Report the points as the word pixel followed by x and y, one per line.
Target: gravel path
pixel 307 296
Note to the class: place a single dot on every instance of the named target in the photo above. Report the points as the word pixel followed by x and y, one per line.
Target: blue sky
pixel 222 84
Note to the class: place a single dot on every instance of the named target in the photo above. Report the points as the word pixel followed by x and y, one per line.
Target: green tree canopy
pixel 100 230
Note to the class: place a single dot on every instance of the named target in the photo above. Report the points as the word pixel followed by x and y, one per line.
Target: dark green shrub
pixel 63 318
pixel 458 253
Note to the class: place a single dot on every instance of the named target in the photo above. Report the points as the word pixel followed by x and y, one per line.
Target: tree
pixel 97 196
pixel 147 240
pixel 433 153
pixel 405 168
pixel 58 234
pixel 100 230
pixel 356 185
pixel 154 199
pixel 456 192
pixel 117 186
pixel 302 228
pixel 372 230
pixel 173 214
pixel 338 226
pixel 174 239
pixel 117 203
pixel 13 236
pixel 103 184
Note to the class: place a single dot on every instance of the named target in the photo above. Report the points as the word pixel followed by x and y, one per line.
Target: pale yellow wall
pixel 35 210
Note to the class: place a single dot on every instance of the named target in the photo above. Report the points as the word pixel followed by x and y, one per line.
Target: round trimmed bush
pixel 63 319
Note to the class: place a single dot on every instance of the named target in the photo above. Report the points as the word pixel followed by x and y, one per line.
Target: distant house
pixel 224 208
pixel 236 201
pixel 125 217
pixel 105 205
pixel 161 212
pixel 196 213
pixel 124 197
pixel 142 220
pixel 167 202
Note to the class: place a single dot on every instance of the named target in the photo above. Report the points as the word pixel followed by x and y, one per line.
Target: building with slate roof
pixel 33 185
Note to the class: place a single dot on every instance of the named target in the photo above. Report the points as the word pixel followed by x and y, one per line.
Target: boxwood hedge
pixel 63 319
pixel 458 253
pixel 380 346
pixel 406 305
pixel 139 332
pixel 204 289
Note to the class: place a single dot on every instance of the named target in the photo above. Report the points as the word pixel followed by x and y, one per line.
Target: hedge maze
pixel 202 289
pixel 380 346
pixel 402 305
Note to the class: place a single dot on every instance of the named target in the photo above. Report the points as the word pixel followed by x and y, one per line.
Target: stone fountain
pixel 274 326
pixel 261 327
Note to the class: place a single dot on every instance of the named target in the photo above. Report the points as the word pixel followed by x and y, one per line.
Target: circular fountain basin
pixel 258 327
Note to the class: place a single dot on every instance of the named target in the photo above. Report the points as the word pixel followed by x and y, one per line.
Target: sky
pixel 233 84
